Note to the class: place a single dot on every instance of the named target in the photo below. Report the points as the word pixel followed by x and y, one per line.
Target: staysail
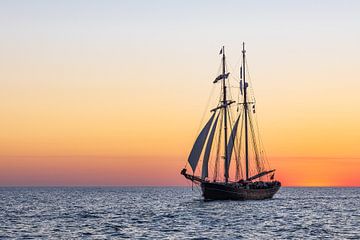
pixel 204 172
pixel 199 144
pixel 230 147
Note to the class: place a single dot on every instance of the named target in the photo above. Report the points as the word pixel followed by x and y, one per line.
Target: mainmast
pixel 245 114
pixel 225 116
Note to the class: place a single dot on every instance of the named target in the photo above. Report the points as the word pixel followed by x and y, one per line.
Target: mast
pixel 245 115
pixel 225 113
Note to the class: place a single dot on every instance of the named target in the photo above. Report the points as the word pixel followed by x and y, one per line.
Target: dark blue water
pixel 176 213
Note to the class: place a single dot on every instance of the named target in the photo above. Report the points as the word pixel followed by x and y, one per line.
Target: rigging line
pixel 231 117
pixel 201 161
pixel 230 93
pixel 255 147
pixel 229 87
pixel 203 116
pixel 192 184
pixel 236 154
pixel 239 92
pixel 197 187
pixel 261 148
pixel 231 128
pixel 217 147
pixel 235 67
pixel 240 148
pixel 235 141
pixel 262 144
pixel 210 160
pixel 218 150
pixel 209 99
pixel 206 108
pixel 233 80
pixel 240 141
pixel 250 80
pixel 257 125
pixel 253 138
pixel 239 165
pixel 219 70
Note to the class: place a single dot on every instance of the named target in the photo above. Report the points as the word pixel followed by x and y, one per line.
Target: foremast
pixel 225 103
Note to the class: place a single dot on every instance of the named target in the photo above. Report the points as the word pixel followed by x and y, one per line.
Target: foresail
pixel 199 144
pixel 204 172
pixel 230 147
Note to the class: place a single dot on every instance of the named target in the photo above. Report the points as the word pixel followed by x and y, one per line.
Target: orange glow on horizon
pixel 158 171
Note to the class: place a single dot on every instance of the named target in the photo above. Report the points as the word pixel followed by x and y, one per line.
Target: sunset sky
pixel 113 92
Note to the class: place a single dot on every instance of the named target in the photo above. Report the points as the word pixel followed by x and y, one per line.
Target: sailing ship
pixel 218 168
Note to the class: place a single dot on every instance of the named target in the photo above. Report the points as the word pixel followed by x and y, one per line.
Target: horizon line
pixel 165 186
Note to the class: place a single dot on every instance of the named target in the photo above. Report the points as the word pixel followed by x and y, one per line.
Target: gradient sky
pixel 113 92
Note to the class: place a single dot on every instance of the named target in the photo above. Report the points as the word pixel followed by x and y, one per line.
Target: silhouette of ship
pixel 222 176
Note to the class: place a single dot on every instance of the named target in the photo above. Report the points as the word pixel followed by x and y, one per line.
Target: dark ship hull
pixel 242 190
pixel 234 191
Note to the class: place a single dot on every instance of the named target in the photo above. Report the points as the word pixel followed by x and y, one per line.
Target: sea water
pixel 176 213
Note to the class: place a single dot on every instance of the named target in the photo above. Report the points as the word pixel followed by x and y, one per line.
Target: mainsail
pixel 230 147
pixel 199 144
pixel 204 172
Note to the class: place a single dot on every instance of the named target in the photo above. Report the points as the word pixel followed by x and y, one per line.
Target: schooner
pixel 226 143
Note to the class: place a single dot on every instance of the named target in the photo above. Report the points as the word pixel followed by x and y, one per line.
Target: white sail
pixel 199 144
pixel 230 146
pixel 204 172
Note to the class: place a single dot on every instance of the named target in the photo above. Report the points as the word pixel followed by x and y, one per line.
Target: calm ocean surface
pixel 176 213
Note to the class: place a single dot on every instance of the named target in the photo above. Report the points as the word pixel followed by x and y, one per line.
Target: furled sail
pixel 243 86
pixel 221 76
pixel 199 144
pixel 260 175
pixel 204 172
pixel 230 147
